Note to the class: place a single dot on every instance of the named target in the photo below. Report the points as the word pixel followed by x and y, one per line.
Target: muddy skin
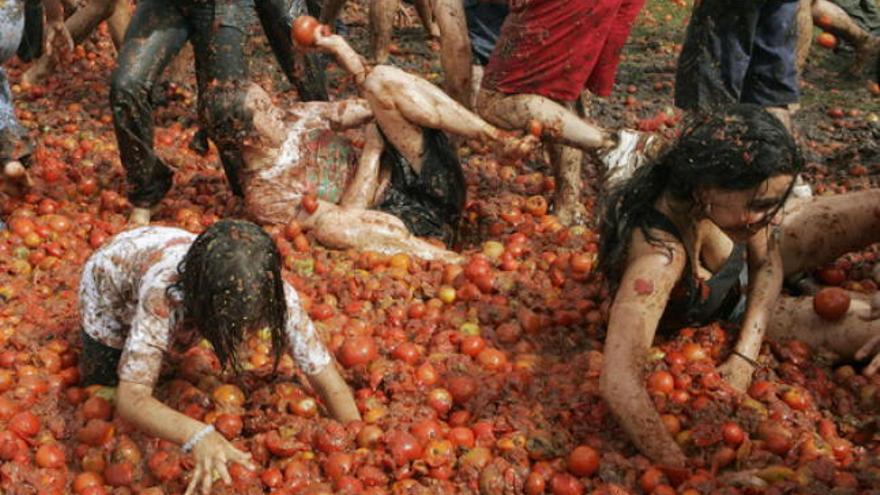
pixel 217 32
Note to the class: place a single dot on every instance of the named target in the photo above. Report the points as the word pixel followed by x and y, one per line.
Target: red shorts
pixel 556 48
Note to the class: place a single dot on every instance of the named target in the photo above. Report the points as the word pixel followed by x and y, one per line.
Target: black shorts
pixel 431 202
pixel 98 363
pixel 740 51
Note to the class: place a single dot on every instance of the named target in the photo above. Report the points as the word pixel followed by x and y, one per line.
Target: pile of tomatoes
pixel 480 377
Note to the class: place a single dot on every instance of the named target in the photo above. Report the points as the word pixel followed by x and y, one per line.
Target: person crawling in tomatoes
pixel 706 234
pixel 406 182
pixel 153 287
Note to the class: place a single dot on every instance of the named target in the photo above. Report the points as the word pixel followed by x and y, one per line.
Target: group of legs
pixel 407 183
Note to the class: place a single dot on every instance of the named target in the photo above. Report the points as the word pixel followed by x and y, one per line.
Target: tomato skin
pixel 732 433
pixel 583 461
pixel 831 303
pixel 24 424
pixel 357 351
pixel 565 484
pixel 661 382
pixel 50 455
pixel 304 28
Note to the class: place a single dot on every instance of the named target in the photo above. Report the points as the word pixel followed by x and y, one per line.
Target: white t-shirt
pixel 126 303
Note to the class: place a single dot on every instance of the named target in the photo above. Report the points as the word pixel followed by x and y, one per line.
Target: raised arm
pixel 639 303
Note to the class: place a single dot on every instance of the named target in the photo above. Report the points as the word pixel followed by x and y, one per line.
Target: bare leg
pixel 455 49
pixel 840 22
pixel 118 21
pixel 361 192
pixel 805 33
pixel 818 230
pixel 369 230
pixel 515 112
pixel 794 318
pixel 382 14
pixel 403 104
pixel 81 25
pixel 567 164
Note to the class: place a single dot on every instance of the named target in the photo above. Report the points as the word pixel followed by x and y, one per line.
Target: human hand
pixel 57 34
pixel 737 372
pixel 510 146
pixel 871 347
pixel 211 455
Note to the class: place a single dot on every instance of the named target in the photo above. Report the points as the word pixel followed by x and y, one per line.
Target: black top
pixel 696 302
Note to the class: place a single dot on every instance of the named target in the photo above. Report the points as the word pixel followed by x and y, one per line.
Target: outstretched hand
pixel 211 455
pixel 737 372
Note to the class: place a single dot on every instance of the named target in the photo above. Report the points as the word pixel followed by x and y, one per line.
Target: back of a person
pixel 113 275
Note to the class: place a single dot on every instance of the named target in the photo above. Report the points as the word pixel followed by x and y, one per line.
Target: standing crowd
pixel 706 228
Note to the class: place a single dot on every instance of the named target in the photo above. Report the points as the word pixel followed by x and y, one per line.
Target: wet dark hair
pixel 734 148
pixel 230 282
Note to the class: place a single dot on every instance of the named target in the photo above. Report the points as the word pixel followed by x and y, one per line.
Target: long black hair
pixel 735 148
pixel 230 282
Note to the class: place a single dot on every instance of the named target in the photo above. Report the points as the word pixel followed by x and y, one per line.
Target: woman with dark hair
pixel 405 183
pixel 152 287
pixel 706 233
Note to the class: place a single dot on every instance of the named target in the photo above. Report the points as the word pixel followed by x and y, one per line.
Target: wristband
pixel 196 438
pixel 747 359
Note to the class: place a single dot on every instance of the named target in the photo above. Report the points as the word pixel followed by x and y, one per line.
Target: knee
pixel 381 80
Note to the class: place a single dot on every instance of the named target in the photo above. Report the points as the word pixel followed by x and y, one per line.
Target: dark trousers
pixel 217 30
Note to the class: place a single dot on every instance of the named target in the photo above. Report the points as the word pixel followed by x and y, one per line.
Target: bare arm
pixel 136 404
pixel 347 114
pixel 362 189
pixel 765 284
pixel 336 394
pixel 638 306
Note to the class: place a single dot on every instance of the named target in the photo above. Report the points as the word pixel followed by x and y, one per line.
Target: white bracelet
pixel 195 439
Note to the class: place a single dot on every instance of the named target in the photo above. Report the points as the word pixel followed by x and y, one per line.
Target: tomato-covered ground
pixel 474 378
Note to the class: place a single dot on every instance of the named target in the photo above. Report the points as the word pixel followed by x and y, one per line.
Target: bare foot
pixel 140 217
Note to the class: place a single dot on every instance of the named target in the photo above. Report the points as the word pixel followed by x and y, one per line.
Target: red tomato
pixel 356 351
pixel 566 484
pixel 87 480
pixel 462 387
pixel 536 128
pixel 50 455
pixel 229 425
pixel 119 474
pixel 304 28
pixel 472 345
pixel 97 408
pixel 228 396
pixel 24 424
pixel 165 465
pixel 583 461
pixel 831 275
pixel 831 303
pixel 732 433
pixel 661 382
pixel 826 40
